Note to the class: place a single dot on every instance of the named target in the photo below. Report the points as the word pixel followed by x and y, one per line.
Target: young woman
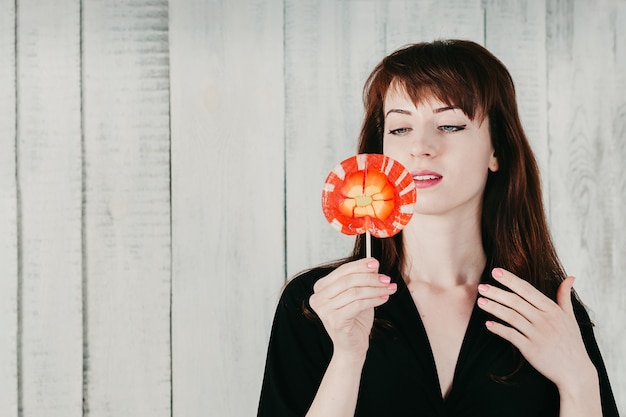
pixel 466 312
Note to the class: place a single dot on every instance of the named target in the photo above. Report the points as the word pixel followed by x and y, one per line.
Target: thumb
pixel 564 295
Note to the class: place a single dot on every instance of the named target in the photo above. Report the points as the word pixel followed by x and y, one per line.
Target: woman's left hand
pixel 545 332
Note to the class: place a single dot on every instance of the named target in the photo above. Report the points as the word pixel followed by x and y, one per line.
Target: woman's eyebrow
pixel 442 109
pixel 437 110
pixel 401 111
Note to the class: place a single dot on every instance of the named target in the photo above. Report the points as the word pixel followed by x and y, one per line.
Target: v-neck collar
pixel 415 333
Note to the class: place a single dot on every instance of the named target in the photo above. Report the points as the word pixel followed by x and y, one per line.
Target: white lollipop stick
pixel 368 244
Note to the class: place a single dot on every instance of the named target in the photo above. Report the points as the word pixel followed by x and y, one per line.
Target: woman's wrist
pixel 582 390
pixel 349 359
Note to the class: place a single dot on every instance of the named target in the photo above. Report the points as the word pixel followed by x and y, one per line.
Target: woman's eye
pixel 400 131
pixel 451 128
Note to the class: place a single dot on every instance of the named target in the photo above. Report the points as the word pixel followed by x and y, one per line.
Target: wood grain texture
pixel 145 237
pixel 227 199
pixel 424 21
pixel 127 208
pixel 330 49
pixel 49 177
pixel 515 31
pixel 8 215
pixel 587 123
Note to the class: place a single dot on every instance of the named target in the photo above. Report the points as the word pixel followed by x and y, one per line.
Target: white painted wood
pixel 8 216
pixel 330 49
pixel 587 124
pixel 127 208
pixel 227 201
pixel 258 88
pixel 410 21
pixel 516 34
pixel 49 177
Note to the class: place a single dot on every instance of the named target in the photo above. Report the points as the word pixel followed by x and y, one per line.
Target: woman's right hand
pixel 345 299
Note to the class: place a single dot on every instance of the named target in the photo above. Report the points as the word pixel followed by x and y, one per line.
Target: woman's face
pixel 448 154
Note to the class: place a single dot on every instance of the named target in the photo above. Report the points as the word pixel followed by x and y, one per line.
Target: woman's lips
pixel 425 179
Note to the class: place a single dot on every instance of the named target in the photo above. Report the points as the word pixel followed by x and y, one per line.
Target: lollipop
pixel 371 194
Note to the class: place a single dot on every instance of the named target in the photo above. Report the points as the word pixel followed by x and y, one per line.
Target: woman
pixel 467 311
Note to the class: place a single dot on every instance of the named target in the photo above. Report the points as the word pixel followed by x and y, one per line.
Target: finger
pixel 508 299
pixel 351 302
pixel 354 282
pixel 355 307
pixel 523 288
pixel 335 285
pixel 508 333
pixel 356 294
pixel 507 315
pixel 365 265
pixel 564 295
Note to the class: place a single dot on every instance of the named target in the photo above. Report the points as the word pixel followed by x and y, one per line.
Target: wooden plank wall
pixel 227 199
pixel 161 167
pixel 49 161
pixel 9 287
pixel 126 211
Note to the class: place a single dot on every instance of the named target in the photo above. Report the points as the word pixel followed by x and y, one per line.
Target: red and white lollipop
pixel 371 194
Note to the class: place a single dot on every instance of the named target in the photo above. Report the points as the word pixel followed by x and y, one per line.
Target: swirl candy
pixel 369 193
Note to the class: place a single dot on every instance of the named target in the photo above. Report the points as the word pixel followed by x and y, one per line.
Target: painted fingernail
pixel 372 264
pixel 384 279
pixel 482 301
pixel 385 297
pixel 483 287
pixel 393 286
pixel 497 272
pixel 489 324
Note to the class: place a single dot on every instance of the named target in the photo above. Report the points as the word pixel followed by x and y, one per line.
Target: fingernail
pixel 489 324
pixel 482 301
pixel 384 279
pixel 372 264
pixel 483 287
pixel 497 272
pixel 392 286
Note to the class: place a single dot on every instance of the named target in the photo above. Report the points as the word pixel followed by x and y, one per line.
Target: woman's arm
pixel 315 365
pixel 338 392
pixel 345 301
pixel 581 397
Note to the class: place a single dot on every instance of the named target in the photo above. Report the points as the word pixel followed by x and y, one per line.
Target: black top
pixel 399 375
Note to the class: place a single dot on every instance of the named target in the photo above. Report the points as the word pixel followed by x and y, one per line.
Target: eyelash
pixel 455 128
pixel 398 131
pixel 443 128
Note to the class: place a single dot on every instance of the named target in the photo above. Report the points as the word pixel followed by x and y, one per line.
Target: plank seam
pixel 284 84
pixel 171 220
pixel 18 225
pixel 83 218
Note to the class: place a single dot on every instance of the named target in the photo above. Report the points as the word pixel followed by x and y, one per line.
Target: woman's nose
pixel 423 144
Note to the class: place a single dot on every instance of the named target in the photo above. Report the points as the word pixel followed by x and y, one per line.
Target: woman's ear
pixel 493 163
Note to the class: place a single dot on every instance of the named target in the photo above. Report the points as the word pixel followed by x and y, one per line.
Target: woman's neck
pixel 442 252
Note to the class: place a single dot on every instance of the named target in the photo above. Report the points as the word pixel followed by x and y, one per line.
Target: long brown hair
pixel 515 233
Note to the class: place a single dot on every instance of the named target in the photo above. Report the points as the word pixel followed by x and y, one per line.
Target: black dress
pixel 399 375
